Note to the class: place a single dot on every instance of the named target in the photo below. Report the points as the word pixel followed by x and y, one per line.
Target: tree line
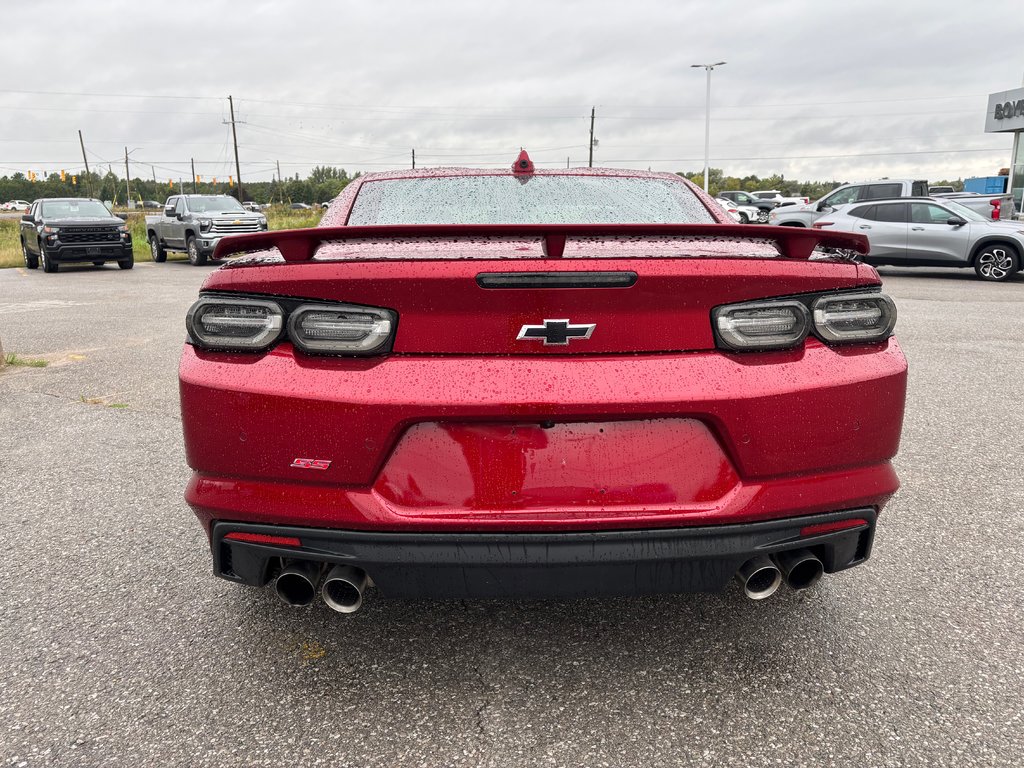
pixel 323 184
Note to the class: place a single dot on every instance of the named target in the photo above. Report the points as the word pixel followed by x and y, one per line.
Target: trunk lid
pixel 502 296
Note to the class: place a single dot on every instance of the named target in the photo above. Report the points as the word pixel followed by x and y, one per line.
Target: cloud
pixel 843 91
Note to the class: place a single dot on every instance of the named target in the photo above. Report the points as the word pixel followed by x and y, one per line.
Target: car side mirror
pixel 822 207
pixel 956 221
pixel 122 216
pixel 168 211
pixel 27 217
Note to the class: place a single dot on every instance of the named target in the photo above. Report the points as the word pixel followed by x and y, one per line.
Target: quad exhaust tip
pixel 801 568
pixel 298 582
pixel 760 577
pixel 343 588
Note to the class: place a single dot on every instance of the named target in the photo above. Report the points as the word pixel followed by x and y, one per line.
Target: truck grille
pixel 234 226
pixel 89 235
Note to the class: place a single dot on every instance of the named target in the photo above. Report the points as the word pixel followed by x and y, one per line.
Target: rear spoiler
pixel 302 244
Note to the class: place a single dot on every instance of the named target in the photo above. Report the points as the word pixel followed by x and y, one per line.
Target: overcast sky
pixel 812 90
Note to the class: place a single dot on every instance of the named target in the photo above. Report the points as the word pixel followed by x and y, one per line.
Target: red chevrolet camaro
pixel 524 382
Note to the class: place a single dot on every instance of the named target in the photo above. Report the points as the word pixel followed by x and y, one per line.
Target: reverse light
pixel 214 322
pixel 341 329
pixel 855 317
pixel 761 325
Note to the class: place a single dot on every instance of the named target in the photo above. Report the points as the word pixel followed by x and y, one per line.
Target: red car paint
pixel 462 428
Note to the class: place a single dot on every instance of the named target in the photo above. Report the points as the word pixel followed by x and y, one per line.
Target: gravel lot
pixel 120 648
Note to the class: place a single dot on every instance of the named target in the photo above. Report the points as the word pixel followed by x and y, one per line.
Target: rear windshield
pixel 505 199
pixel 74 209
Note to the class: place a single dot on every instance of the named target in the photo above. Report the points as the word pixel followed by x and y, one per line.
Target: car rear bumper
pixel 536 565
pixel 591 443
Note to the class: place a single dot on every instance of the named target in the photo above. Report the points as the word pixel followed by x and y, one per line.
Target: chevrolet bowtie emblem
pixel 237 221
pixel 555 332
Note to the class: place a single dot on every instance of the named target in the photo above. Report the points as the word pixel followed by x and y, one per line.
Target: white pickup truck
pixel 989 206
pixel 775 196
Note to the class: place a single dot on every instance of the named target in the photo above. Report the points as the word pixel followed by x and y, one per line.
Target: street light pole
pixel 707 118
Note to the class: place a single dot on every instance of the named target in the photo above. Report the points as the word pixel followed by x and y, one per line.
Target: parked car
pixel 252 207
pixel 196 223
pixel 990 206
pixel 764 207
pixel 744 214
pixel 301 207
pixel 932 232
pixel 151 204
pixel 505 406
pixel 940 189
pixel 775 196
pixel 60 230
pixel 16 205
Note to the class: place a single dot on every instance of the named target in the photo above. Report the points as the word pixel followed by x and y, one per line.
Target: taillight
pixel 216 322
pixel 761 325
pixel 255 324
pixel 836 318
pixel 997 207
pixel 854 317
pixel 341 329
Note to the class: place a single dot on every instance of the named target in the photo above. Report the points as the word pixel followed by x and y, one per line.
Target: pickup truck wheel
pixel 195 257
pixel 127 263
pixel 31 262
pixel 997 262
pixel 157 250
pixel 49 265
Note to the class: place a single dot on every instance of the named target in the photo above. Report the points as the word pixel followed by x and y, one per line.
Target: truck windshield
pixel 541 199
pixel 218 204
pixel 74 209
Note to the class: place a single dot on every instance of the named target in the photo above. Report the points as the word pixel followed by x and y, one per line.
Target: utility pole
pixel 280 183
pixel 234 136
pixel 567 162
pixel 195 189
pixel 85 159
pixel 127 178
pixel 590 163
pixel 153 169
pixel 414 159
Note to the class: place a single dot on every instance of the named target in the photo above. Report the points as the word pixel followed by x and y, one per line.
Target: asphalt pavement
pixel 118 646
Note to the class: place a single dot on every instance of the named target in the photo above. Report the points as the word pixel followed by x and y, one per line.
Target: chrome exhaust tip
pixel 343 588
pixel 760 577
pixel 801 568
pixel 298 581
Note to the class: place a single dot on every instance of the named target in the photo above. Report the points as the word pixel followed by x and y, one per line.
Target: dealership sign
pixel 1005 111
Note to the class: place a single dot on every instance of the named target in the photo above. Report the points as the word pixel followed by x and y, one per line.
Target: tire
pixel 49 265
pixel 157 250
pixel 127 263
pixel 997 262
pixel 31 262
pixel 762 216
pixel 195 257
pixel 744 219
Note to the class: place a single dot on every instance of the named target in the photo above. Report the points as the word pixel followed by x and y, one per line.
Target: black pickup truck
pixel 59 230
